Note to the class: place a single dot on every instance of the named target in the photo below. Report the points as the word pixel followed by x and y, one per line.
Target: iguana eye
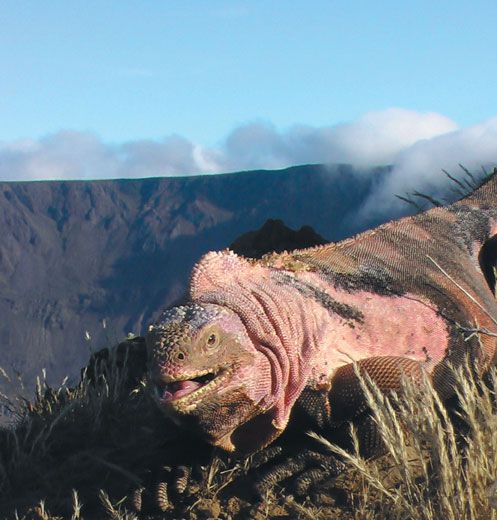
pixel 211 340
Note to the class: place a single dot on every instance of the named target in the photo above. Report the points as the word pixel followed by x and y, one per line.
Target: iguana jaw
pixel 184 393
pixel 207 375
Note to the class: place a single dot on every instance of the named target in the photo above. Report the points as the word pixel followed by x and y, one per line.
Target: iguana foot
pixel 304 470
pixel 161 495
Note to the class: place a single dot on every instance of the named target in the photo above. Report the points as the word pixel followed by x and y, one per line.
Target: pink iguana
pixel 266 343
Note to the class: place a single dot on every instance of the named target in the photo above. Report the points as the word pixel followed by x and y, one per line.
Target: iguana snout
pixel 201 367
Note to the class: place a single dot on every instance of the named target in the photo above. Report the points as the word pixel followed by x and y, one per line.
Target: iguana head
pixel 205 375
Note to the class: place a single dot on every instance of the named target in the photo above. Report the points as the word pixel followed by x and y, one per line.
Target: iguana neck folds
pixel 304 328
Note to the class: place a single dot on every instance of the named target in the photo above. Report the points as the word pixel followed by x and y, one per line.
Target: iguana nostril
pixel 180 356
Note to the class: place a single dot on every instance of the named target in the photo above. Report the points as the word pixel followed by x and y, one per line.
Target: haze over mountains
pixel 98 259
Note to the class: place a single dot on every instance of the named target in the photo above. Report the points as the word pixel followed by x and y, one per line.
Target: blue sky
pixel 145 69
pixel 113 74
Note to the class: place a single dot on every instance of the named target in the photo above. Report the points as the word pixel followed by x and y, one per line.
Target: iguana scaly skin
pixel 264 343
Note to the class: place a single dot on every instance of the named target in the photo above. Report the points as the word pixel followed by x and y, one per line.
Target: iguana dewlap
pixel 261 338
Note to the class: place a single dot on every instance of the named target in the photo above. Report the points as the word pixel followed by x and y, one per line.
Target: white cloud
pixel 417 144
pixel 65 155
pixel 375 138
pixel 172 156
pixel 419 167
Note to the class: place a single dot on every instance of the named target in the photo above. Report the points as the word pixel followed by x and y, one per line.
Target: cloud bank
pixel 417 144
pixel 419 166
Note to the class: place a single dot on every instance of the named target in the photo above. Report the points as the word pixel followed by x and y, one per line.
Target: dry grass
pixel 98 434
pixel 80 452
pixel 439 464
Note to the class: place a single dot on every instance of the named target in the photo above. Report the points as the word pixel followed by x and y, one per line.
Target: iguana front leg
pixel 344 404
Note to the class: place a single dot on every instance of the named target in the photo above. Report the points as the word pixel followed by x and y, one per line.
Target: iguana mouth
pixel 186 391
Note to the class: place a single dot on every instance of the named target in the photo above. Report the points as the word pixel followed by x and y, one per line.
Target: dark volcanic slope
pixel 75 255
pixel 274 236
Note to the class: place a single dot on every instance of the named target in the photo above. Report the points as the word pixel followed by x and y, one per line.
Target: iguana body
pixel 264 343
